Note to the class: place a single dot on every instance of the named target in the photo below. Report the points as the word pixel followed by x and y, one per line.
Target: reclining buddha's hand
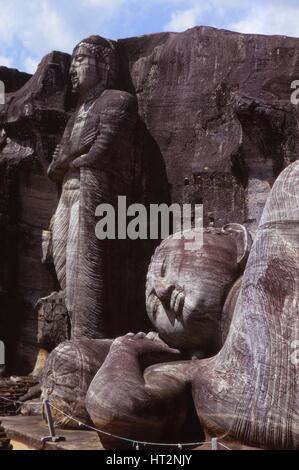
pixel 148 349
pixel 129 398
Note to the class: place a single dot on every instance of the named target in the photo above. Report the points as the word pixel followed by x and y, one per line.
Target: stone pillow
pixel 68 373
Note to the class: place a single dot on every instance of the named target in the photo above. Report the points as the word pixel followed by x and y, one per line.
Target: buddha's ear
pixel 243 242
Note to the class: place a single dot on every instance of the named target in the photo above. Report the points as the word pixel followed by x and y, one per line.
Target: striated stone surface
pixel 215 119
pixel 187 286
pixel 68 373
pixel 34 118
pixel 218 106
pixel 248 391
pixel 130 409
pixel 53 321
pixel 13 79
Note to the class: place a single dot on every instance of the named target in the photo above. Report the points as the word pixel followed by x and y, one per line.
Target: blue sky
pixel 30 29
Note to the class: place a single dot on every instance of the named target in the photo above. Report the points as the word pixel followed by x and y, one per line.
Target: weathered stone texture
pixel 215 114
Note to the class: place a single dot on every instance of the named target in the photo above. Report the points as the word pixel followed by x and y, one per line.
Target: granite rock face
pixel 53 321
pixel 215 120
pixel 13 79
pixel 32 119
pixel 218 105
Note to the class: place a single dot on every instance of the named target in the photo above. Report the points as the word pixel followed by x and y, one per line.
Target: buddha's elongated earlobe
pixel 244 241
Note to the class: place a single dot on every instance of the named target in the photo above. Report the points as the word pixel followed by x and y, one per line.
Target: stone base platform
pixel 26 432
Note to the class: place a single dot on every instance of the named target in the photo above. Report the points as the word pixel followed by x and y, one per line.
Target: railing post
pixel 215 443
pixel 52 437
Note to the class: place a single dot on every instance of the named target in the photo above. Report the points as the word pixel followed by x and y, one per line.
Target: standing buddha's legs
pixel 89 282
pixel 65 236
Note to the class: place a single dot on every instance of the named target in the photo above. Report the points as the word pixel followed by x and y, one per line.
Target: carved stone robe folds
pixel 96 157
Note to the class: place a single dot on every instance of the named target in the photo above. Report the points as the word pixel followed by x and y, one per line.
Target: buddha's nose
pixel 163 290
pixel 72 68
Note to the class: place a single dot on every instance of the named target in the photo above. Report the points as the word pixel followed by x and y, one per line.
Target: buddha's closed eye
pixel 163 289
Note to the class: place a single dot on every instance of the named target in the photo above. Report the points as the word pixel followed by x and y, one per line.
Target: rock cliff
pixel 215 118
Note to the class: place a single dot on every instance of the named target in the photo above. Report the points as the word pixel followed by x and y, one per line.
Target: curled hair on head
pixel 105 51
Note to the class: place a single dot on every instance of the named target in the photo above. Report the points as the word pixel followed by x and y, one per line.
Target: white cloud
pixel 6 61
pixel 107 9
pixel 30 65
pixel 37 26
pixel 270 19
pixel 8 23
pixel 47 28
pixel 30 30
pixel 183 19
pixel 260 17
pixel 103 3
pixel 195 12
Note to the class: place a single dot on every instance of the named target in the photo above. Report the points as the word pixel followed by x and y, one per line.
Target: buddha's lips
pixel 177 301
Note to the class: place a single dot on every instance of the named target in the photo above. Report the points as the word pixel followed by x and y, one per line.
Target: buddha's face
pixel 86 70
pixel 186 290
